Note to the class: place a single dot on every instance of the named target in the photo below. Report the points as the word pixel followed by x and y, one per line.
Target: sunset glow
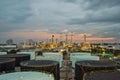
pixel 39 19
pixel 44 36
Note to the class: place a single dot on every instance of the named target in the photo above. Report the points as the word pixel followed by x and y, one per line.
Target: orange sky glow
pixel 44 35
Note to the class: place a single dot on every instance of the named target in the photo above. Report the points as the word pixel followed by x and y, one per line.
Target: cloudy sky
pixel 39 19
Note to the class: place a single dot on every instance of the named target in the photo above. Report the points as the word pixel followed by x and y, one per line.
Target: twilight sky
pixel 39 19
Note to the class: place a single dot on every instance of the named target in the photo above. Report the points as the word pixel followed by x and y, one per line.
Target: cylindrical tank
pixel 103 76
pixel 81 67
pixel 82 58
pixel 118 62
pixel 27 76
pixel 7 64
pixel 18 57
pixel 42 66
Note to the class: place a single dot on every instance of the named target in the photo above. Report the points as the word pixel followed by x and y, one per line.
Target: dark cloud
pixel 98 17
pixel 101 4
pixel 14 11
pixel 98 11
pixel 94 4
pixel 20 18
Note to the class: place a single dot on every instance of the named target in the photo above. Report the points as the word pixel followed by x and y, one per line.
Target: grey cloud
pixel 94 20
pixel 112 31
pixel 101 4
pixel 79 16
pixel 10 27
pixel 102 16
pixel 14 11
pixel 95 11
pixel 71 1
pixel 94 4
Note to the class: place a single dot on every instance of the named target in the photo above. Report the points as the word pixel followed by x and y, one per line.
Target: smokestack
pixel 71 37
pixel 52 38
pixel 84 37
pixel 66 38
